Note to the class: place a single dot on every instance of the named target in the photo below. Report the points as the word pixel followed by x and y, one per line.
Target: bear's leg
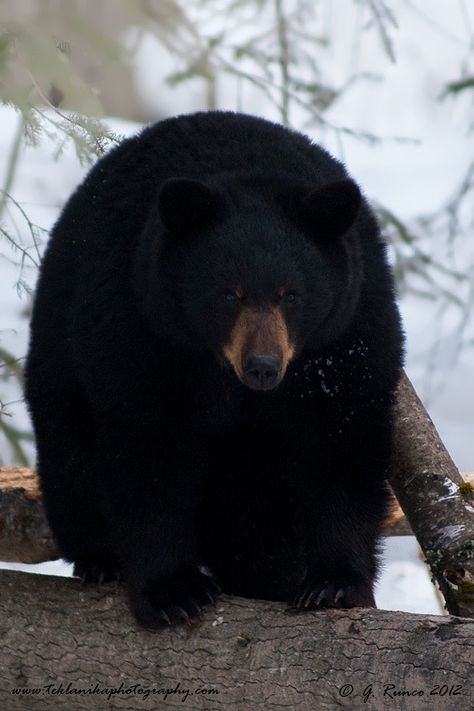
pixel 341 549
pixel 343 509
pixel 150 487
pixel 63 425
pixel 247 530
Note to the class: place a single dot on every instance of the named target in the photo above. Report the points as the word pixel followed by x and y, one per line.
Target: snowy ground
pixel 407 177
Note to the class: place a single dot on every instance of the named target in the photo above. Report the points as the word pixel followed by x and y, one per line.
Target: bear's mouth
pixel 258 348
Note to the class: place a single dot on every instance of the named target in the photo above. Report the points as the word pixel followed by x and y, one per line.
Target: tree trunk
pixel 60 637
pixel 438 503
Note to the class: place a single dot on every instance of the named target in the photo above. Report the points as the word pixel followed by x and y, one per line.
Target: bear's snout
pixel 262 372
pixel 259 349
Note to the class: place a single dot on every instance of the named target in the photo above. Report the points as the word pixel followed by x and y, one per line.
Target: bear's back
pixel 205 143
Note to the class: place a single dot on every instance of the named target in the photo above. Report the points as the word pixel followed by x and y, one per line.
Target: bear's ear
pixel 333 208
pixel 184 203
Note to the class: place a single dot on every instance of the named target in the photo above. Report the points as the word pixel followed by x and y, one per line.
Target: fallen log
pixel 25 536
pixel 80 648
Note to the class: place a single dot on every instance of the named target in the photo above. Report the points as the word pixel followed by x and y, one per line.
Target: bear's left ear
pixel 184 203
pixel 333 208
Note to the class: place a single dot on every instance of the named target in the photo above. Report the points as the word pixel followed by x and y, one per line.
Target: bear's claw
pixel 180 597
pixel 325 595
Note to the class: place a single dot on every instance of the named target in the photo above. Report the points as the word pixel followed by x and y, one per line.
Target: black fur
pixel 154 459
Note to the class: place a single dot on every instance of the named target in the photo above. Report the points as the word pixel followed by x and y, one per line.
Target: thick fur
pixel 154 458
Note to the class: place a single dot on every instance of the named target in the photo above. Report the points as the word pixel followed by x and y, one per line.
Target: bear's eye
pixel 290 297
pixel 230 296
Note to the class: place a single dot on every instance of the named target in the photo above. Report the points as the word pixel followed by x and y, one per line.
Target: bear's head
pixel 254 269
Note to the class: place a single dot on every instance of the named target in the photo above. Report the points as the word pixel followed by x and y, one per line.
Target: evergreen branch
pixel 12 164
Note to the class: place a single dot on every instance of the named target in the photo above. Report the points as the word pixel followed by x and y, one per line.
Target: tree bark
pixel 25 536
pixel 397 523
pixel 437 502
pixel 245 654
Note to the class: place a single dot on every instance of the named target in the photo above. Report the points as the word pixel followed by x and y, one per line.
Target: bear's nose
pixel 262 372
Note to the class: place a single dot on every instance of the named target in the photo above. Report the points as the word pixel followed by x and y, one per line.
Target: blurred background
pixel 386 86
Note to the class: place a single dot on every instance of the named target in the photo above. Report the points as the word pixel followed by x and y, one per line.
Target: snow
pixel 451 488
pixel 450 533
pixel 408 177
pixel 55 567
pixel 404 584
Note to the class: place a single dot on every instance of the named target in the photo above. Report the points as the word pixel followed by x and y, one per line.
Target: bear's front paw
pixel 334 594
pixel 175 598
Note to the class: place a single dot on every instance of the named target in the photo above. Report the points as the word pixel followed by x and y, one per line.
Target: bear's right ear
pixel 333 208
pixel 184 203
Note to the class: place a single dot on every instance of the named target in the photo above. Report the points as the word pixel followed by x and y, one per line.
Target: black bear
pixel 215 346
